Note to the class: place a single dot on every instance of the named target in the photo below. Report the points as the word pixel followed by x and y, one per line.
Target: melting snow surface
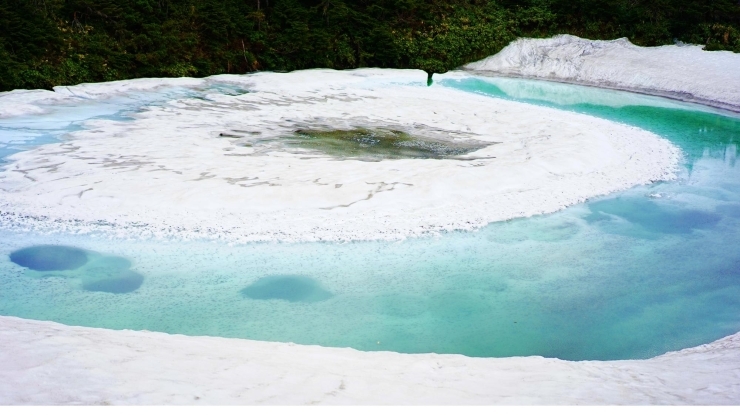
pixel 684 72
pixel 200 168
pixel 49 363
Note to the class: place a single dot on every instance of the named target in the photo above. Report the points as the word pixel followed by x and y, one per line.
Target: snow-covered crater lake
pixel 633 274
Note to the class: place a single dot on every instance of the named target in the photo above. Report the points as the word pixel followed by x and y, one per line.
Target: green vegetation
pixel 60 42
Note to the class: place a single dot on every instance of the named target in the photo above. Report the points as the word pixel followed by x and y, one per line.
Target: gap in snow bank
pixel 684 72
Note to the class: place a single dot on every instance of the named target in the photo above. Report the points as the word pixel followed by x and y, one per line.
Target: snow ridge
pixel 685 72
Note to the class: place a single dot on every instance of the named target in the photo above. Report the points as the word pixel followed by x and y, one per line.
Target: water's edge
pixel 676 96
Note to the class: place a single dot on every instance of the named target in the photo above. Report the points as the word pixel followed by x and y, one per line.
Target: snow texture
pixel 685 72
pixel 172 168
pixel 49 363
pixel 200 168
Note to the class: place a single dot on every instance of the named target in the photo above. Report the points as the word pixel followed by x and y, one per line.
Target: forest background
pixel 44 43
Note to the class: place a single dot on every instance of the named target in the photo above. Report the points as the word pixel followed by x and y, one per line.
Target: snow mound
pixel 684 72
pixel 76 365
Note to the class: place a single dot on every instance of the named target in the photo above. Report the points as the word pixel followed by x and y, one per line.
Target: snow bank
pixel 49 363
pixel 22 102
pixel 107 89
pixel 201 168
pixel 683 72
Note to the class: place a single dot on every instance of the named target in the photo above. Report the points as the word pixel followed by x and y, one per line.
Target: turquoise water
pixel 649 270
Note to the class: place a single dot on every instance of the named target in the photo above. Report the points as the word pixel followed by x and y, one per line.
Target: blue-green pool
pixel 633 275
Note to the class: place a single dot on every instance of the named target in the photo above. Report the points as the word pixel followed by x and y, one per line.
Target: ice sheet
pixel 192 168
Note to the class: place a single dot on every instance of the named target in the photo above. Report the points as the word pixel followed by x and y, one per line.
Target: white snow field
pixel 190 166
pixel 50 363
pixel 216 168
pixel 684 72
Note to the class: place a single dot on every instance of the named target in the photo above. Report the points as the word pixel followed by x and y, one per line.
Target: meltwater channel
pixel 632 275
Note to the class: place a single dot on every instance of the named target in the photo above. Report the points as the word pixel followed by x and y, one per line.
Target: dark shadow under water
pixel 292 288
pixel 49 258
pixel 103 273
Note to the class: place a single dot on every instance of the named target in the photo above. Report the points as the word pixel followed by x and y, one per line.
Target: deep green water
pixel 649 270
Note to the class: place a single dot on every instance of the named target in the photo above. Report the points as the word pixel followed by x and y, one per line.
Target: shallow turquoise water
pixel 633 275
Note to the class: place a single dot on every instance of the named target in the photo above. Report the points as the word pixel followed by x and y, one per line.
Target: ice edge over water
pixel 684 72
pixel 99 366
